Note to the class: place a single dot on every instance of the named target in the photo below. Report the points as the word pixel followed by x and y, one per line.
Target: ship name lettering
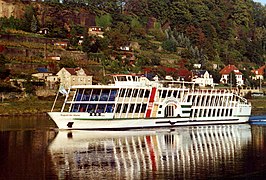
pixel 69 115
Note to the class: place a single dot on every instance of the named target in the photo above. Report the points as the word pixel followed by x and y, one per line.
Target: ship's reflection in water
pixel 180 153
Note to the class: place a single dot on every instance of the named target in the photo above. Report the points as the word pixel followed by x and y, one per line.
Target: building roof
pixel 228 69
pixel 259 71
pixel 199 72
pixel 42 70
pixel 73 71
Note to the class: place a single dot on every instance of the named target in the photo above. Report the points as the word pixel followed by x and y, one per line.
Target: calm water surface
pixel 30 149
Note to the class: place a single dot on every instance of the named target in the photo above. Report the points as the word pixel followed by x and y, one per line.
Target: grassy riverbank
pixel 258 105
pixel 35 105
pixel 30 105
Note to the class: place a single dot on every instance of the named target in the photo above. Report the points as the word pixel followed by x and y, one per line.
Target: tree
pixel 104 44
pixel 138 7
pixel 232 79
pixel 137 29
pixel 67 62
pixel 110 6
pixel 241 13
pixel 155 60
pixel 27 21
pixel 259 14
pixel 180 14
pixel 58 32
pixel 142 60
pixel 75 32
pixel 52 1
pixel 92 44
pixel 11 23
pixel 73 39
pixel 169 45
pixel 104 20
pixel 4 73
pixel 158 9
pixel 157 33
pixel 119 35
pixel 86 41
pixel 34 24
pixel 29 87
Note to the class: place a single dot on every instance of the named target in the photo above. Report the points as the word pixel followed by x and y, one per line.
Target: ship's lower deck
pixel 66 120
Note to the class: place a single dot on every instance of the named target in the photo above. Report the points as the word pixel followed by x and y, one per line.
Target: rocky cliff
pixel 48 13
pixel 11 8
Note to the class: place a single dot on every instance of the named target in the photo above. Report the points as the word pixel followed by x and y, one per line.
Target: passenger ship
pixel 134 101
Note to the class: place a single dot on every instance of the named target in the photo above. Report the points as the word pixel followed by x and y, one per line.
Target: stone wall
pixel 20 38
pixel 38 53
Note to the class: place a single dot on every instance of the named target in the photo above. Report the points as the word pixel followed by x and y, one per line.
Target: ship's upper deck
pixel 132 80
pixel 142 81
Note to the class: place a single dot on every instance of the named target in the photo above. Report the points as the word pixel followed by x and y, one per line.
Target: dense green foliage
pixel 4 87
pixel 4 73
pixel 199 31
pixel 222 31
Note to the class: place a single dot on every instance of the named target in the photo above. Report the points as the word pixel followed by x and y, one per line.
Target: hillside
pixel 174 34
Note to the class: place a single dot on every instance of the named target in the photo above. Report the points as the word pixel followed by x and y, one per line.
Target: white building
pixel 42 73
pixel 73 76
pixel 202 78
pixel 259 73
pixel 225 75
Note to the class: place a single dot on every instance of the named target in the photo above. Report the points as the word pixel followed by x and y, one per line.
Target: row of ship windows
pixel 131 108
pixel 210 100
pixel 110 94
pixel 95 95
pixel 146 93
pixel 93 108
pixel 136 108
pixel 109 108
pixel 211 112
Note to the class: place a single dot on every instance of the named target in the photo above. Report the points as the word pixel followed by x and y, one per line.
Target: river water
pixel 31 149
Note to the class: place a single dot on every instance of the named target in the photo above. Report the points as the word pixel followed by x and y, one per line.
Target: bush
pixel 4 87
pixel 158 34
pixel 169 45
pixel 104 20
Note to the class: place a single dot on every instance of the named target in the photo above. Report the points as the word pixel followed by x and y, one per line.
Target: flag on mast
pixel 62 90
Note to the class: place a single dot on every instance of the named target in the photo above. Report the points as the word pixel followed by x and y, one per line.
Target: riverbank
pixel 41 105
pixel 258 105
pixel 29 105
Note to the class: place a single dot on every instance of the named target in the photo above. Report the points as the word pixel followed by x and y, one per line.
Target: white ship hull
pixel 80 121
pixel 134 102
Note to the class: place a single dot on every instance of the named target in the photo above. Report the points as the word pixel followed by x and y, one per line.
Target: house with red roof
pixel 225 75
pixel 259 73
pixel 73 76
pixel 178 73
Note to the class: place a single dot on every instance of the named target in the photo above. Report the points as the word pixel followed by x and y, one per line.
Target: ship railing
pixel 183 84
pixel 130 83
